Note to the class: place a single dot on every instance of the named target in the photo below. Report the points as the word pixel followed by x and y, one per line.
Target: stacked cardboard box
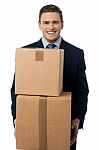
pixel 43 112
pixel 39 71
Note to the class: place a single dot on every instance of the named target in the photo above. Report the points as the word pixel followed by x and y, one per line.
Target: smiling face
pixel 51 26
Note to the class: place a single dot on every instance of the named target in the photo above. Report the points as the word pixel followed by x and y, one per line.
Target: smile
pixel 51 32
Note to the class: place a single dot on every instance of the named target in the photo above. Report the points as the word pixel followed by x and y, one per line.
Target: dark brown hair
pixel 50 8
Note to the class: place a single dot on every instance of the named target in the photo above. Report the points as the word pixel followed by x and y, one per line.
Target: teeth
pixel 51 32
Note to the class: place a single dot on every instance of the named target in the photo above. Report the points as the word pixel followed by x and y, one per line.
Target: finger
pixel 72 141
pixel 72 126
pixel 74 137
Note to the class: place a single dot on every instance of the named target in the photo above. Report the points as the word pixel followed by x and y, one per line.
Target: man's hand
pixel 75 126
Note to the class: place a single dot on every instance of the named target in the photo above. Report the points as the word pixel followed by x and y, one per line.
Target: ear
pixel 62 25
pixel 39 24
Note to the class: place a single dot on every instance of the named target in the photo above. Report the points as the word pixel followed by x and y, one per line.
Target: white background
pixel 19 27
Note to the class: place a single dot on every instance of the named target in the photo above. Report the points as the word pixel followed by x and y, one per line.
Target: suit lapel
pixel 63 44
pixel 40 44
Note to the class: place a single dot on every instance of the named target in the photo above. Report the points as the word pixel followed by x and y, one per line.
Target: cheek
pixel 59 27
pixel 43 28
pixel 59 30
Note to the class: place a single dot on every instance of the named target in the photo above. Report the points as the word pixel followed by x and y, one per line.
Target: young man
pixel 74 77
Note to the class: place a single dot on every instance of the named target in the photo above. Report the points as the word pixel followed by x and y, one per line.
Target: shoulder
pixel 37 44
pixel 70 48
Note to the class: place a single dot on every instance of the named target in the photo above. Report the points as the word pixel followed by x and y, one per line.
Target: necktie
pixel 51 46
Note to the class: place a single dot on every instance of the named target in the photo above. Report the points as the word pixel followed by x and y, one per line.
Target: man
pixel 74 77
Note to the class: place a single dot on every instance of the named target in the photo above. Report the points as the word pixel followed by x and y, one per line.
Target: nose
pixel 51 26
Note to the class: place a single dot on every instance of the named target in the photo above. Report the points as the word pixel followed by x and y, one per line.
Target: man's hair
pixel 50 8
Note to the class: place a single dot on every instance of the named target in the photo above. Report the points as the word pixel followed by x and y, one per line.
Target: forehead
pixel 50 16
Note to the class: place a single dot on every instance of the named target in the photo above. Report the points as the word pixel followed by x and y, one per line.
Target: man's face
pixel 51 26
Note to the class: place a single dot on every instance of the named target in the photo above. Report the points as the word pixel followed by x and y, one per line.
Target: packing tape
pixel 43 123
pixel 39 55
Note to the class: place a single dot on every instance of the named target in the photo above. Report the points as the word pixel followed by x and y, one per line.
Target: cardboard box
pixel 39 71
pixel 43 123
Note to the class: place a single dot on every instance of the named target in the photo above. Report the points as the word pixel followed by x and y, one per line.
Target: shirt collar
pixel 57 42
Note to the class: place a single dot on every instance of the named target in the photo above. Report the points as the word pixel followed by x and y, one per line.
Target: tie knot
pixel 51 46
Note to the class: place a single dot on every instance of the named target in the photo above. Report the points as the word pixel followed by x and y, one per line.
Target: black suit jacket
pixel 74 79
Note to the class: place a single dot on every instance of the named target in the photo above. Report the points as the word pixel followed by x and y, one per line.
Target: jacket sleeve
pixel 13 98
pixel 81 90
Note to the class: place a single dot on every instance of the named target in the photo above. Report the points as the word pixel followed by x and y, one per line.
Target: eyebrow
pixel 52 21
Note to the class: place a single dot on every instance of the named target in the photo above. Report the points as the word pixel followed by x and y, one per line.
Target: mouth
pixel 51 32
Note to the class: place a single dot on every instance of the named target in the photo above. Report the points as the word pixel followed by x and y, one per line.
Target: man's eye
pixel 55 22
pixel 46 22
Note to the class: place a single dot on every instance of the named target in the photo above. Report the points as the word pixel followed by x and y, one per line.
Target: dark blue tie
pixel 51 46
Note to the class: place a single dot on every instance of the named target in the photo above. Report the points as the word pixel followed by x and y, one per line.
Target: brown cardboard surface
pixel 39 71
pixel 43 123
pixel 27 124
pixel 58 122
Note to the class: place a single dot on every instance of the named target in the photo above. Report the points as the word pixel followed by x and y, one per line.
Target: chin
pixel 51 40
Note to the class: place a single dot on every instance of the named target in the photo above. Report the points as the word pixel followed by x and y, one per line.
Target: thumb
pixel 72 126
